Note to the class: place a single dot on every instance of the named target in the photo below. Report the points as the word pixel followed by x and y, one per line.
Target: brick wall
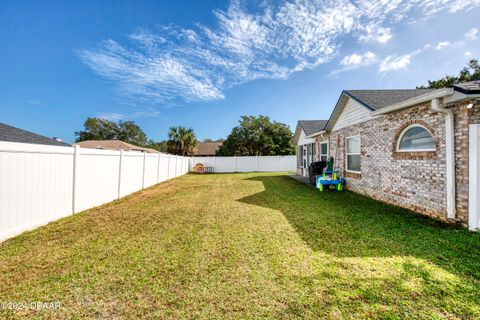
pixel 416 181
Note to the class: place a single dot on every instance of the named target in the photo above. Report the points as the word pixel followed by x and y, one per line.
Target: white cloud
pixel 471 34
pixel 198 64
pixel 442 45
pixel 395 62
pixel 359 59
pixel 455 6
pixel 374 33
pixel 467 54
pixel 355 61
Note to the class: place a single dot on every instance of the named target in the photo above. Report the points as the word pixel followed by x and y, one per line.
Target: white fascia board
pixel 440 93
pixel 458 96
pixel 313 135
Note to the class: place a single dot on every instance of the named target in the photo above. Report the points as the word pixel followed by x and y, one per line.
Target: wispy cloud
pixel 472 34
pixel 148 112
pixel 198 64
pixel 442 45
pixel 394 62
pixel 398 62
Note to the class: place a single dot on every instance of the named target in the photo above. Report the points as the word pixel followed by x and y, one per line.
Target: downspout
pixel 450 155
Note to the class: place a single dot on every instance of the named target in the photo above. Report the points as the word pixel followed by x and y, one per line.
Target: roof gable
pixel 378 99
pixel 308 127
pixel 312 126
pixel 352 113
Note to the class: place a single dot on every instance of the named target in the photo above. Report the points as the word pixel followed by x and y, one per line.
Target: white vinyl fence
pixel 40 183
pixel 247 164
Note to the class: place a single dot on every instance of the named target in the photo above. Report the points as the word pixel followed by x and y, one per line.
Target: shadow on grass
pixel 350 225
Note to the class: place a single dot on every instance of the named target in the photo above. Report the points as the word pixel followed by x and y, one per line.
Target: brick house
pixel 417 149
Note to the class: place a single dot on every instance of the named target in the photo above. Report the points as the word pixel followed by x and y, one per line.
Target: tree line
pixel 255 135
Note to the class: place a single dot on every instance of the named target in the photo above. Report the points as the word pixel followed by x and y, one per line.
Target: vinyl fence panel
pixel 151 169
pixel 164 165
pixel 96 178
pixel 246 164
pixel 288 163
pixel 268 164
pixel 132 173
pixel 36 185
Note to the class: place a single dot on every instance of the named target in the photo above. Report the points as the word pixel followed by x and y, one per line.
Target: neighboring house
pixel 113 145
pixel 307 147
pixel 12 134
pixel 410 148
pixel 205 149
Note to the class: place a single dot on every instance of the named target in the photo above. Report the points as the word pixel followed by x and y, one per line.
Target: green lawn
pixel 244 246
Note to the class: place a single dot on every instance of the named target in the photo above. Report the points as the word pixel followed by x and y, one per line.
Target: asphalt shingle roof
pixel 113 145
pixel 207 148
pixel 471 87
pixel 312 126
pixel 378 99
pixel 12 134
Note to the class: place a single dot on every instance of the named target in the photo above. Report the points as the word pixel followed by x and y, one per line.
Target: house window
pixel 415 138
pixel 324 151
pixel 353 154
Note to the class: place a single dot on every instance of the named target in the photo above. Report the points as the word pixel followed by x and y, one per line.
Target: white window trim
pixel 397 147
pixel 320 149
pixel 353 154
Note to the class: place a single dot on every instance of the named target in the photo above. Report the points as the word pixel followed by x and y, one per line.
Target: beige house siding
pixel 352 113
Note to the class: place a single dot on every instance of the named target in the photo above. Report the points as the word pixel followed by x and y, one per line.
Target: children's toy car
pixel 329 180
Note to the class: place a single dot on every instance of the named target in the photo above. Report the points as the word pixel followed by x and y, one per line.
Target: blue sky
pixel 203 64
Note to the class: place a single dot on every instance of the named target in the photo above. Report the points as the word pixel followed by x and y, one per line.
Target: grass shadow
pixel 351 225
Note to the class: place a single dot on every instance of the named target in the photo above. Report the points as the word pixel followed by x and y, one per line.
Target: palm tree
pixel 182 141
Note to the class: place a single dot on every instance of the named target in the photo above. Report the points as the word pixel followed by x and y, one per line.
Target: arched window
pixel 416 138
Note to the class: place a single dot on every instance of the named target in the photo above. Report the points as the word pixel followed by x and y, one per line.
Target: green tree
pixel 182 141
pixel 161 146
pixel 130 132
pixel 103 129
pixel 258 136
pixel 470 73
pixel 97 129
